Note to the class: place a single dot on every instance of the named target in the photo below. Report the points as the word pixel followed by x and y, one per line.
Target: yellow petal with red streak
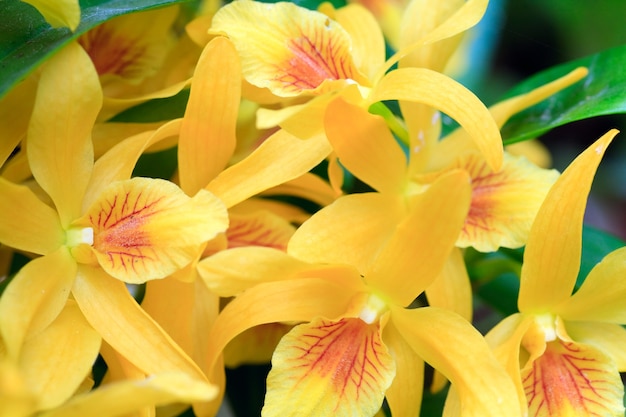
pixel 325 367
pixel 287 48
pixel 260 228
pixel 504 203
pixel 572 379
pixel 148 228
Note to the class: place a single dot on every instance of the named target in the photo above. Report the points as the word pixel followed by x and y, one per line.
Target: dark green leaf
pixel 26 39
pixel 596 245
pixel 602 92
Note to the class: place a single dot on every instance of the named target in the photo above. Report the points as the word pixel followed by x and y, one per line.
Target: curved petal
pixel 26 223
pixel 229 272
pixel 350 231
pixel 57 360
pixel 573 379
pixel 122 323
pixel 404 396
pixel 368 43
pixel 286 48
pixel 124 397
pixel 281 157
pixel 505 339
pixel 552 254
pixel 207 135
pixel 601 297
pixel 425 86
pixel 420 18
pixel 607 337
pixel 58 13
pixel 365 146
pixel 504 203
pixel 446 341
pixel 329 368
pixel 293 300
pixel 24 312
pixel 59 145
pixel 148 228
pixel 417 251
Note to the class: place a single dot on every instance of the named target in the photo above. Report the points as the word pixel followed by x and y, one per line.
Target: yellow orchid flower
pixel 58 13
pixel 100 232
pixel 359 342
pixel 293 53
pixel 565 351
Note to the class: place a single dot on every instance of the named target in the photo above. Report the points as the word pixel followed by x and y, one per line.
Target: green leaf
pixel 596 245
pixel 602 92
pixel 27 40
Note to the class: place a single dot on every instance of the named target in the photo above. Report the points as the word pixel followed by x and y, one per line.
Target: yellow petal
pixel 148 228
pixel 259 229
pixel 333 234
pixel 572 379
pixel 505 339
pixel 368 43
pixel 608 337
pixel 272 302
pixel 409 373
pixel 24 312
pixel 282 157
pixel 207 135
pixel 365 146
pixel 57 360
pixel 107 135
pixel 601 297
pixel 110 309
pixel 504 203
pixel 425 86
pixel 230 272
pixel 466 16
pixel 119 161
pixel 16 400
pixel 58 13
pixel 552 254
pixel 445 341
pixel 122 398
pixel 417 251
pixel 26 223
pixel 452 289
pixel 170 303
pixel 329 367
pixel 420 19
pixel 287 48
pixel 15 109
pixel 59 145
pixel 308 186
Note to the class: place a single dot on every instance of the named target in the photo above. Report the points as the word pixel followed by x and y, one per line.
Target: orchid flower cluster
pixel 319 219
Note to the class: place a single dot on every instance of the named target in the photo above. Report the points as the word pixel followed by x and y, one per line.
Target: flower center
pixel 372 309
pixel 78 236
